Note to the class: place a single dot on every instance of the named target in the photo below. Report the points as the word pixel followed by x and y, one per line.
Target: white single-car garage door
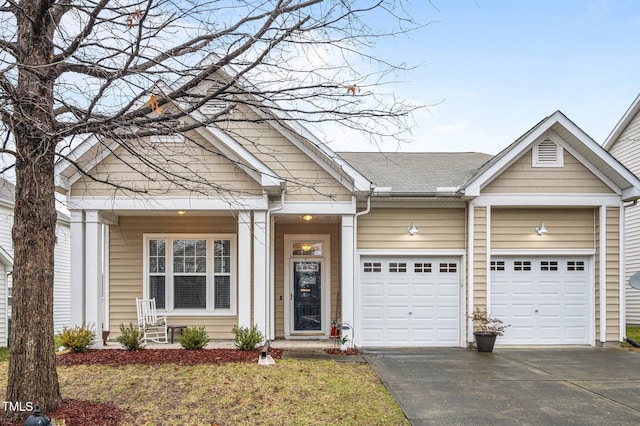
pixel 546 300
pixel 409 301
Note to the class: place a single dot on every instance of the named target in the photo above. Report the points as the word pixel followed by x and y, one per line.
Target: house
pixel 310 237
pixel 623 144
pixel 61 301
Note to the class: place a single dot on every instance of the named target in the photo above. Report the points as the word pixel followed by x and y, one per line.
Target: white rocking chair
pixel 154 328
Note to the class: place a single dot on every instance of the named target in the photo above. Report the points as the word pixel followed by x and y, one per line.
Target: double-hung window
pixel 191 273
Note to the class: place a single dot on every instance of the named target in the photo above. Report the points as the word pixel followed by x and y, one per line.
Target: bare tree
pixel 124 71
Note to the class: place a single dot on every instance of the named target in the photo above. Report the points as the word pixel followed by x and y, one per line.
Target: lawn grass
pixel 292 392
pixel 633 332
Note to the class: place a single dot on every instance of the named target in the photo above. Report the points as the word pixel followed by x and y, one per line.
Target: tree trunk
pixel 33 378
pixel 32 364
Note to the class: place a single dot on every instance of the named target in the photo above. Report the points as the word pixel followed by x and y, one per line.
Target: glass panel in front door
pixel 307 300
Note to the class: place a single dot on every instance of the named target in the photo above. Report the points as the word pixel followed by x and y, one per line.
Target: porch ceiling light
pixel 307 218
pixel 413 229
pixel 181 212
pixel 541 230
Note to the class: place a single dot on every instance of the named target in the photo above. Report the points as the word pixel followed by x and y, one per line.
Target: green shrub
pixel 78 338
pixel 247 338
pixel 194 338
pixel 130 337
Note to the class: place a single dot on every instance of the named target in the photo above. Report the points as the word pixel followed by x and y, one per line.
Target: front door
pixel 307 286
pixel 307 296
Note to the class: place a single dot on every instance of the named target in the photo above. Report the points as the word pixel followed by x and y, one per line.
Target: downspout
pixel 270 269
pixel 356 267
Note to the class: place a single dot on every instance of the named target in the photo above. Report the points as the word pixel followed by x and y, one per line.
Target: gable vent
pixel 547 154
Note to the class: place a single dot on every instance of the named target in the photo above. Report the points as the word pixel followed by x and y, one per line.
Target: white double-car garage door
pixel 410 301
pixel 416 301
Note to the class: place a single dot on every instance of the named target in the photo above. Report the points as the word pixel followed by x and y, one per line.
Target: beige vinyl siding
pixel 569 228
pixel 385 228
pixel 126 267
pixel 613 275
pixel 192 170
pixel 306 180
pixel 627 150
pixel 479 268
pixel 281 299
pixel 522 178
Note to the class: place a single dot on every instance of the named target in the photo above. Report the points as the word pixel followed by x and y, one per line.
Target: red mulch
pixel 80 413
pixel 117 357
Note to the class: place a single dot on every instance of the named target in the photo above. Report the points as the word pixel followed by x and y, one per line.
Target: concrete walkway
pixel 542 386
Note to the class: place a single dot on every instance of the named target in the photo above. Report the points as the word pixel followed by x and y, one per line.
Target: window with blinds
pixel 190 273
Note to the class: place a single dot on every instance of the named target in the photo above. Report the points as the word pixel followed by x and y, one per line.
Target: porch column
pixel 77 267
pixel 244 269
pixel 93 254
pixel 260 298
pixel 347 281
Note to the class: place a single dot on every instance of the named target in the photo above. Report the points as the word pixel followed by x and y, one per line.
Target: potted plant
pixel 486 329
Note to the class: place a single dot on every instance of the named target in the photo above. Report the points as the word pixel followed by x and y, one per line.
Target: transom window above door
pixel 191 273
pixel 306 248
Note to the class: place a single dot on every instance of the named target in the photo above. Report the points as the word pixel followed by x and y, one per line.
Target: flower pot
pixel 485 340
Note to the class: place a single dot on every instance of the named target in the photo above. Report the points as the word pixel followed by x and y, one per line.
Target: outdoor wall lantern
pixel 413 229
pixel 541 230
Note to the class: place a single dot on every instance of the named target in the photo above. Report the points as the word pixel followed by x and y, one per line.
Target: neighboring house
pixel 61 297
pixel 284 255
pixel 624 144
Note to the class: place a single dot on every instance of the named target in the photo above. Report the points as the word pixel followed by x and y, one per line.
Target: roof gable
pixel 626 119
pixel 565 133
pixel 93 150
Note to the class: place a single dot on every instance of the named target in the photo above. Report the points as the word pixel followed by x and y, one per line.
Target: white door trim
pixel 326 283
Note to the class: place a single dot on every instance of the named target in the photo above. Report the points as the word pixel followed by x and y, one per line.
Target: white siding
pixel 6 222
pixel 62 279
pixel 61 298
pixel 627 150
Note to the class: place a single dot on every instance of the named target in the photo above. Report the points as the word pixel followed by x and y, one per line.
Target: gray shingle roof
pixel 417 172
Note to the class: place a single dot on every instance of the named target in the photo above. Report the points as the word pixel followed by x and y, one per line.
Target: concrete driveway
pixel 542 386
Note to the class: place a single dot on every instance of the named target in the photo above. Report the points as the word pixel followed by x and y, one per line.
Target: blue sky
pixel 492 69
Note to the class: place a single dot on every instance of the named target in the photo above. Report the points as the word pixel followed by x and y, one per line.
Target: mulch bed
pixel 117 357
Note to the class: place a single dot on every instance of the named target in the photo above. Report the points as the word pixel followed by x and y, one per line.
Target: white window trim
pixel 209 311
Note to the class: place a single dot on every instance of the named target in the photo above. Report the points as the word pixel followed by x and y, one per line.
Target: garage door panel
pixel 549 312
pixel 520 288
pixel 579 312
pixel 373 290
pixel 397 290
pixel 546 304
pixel 424 290
pixel 574 289
pixel 549 289
pixel 396 312
pixel 421 304
pixel 373 312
